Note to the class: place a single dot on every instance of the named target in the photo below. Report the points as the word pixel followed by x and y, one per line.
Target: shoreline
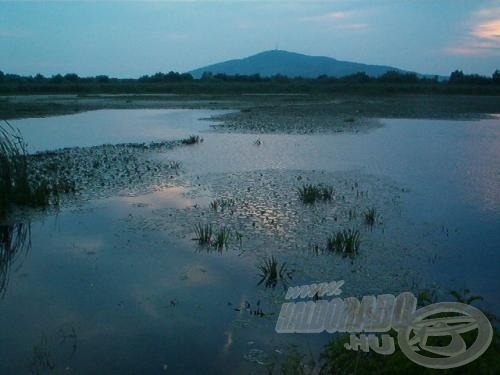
pixel 396 106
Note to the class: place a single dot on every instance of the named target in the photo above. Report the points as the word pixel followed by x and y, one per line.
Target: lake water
pixel 111 127
pixel 451 168
pixel 92 293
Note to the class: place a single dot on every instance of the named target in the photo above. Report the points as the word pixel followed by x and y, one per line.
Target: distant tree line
pixel 169 77
pixel 458 77
pixel 74 78
pixel 391 81
pixel 361 77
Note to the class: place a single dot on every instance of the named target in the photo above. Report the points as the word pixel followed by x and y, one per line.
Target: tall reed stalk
pixel 15 186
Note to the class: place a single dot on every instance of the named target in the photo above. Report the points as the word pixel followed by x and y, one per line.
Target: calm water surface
pixel 451 169
pixel 111 126
pixel 92 294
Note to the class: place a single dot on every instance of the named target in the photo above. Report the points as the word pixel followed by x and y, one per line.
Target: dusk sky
pixel 129 39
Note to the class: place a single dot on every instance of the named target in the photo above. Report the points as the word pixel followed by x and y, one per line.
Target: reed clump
pixel 15 185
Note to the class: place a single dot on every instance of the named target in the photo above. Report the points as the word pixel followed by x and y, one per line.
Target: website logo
pixel 430 336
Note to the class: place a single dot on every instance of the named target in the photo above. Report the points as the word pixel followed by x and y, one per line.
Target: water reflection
pixel 144 294
pixel 272 272
pixel 171 196
pixel 49 352
pixel 112 126
pixel 15 241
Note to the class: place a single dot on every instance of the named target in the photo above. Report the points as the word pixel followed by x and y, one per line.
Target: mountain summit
pixel 291 64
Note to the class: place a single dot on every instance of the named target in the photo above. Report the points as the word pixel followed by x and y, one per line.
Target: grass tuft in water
pixel 191 140
pixel 344 242
pixel 175 164
pixel 309 194
pixel 370 216
pixel 271 272
pixel 221 238
pixel 221 203
pixel 207 236
pixel 203 234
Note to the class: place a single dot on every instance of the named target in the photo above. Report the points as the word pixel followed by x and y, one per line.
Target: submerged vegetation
pixel 344 242
pixel 310 194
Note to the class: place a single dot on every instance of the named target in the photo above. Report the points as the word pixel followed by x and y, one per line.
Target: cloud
pixel 354 26
pixel 483 37
pixel 347 20
pixel 488 29
pixel 326 17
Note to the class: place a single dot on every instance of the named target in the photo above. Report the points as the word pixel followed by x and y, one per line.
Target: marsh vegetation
pixel 209 238
pixel 16 188
pixel 192 140
pixel 370 216
pixel 272 272
pixel 221 204
pixel 310 194
pixel 221 238
pixel 203 234
pixel 345 242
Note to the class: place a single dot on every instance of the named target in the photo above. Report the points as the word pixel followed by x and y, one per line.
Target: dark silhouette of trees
pixel 71 77
pixel 456 77
pixel 389 82
pixel 496 77
pixel 169 77
pixel 102 79
pixel 57 78
pixel 360 77
pixel 206 76
pixel 394 76
pixel 280 78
